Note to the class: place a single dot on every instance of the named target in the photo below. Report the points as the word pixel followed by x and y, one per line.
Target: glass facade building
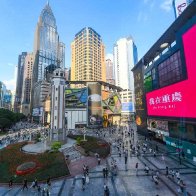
pixel 47 47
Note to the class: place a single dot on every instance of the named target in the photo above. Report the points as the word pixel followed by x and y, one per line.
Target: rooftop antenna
pixel 47 2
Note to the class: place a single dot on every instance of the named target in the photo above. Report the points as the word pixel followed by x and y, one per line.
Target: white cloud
pixel 142 17
pixel 10 84
pixel 151 3
pixel 10 64
pixel 166 5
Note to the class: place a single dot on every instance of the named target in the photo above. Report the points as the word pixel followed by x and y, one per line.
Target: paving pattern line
pixel 71 190
pixel 168 178
pixel 62 186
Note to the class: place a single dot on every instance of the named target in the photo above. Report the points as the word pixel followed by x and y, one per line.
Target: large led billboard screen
pixel 94 110
pixel 178 100
pixel 127 107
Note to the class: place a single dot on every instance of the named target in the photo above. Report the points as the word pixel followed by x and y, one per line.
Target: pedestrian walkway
pixel 126 182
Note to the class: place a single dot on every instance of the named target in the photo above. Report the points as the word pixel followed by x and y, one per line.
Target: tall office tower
pixel 109 71
pixel 19 82
pixel 49 55
pixel 47 48
pixel 88 56
pixel 125 57
pixel 27 77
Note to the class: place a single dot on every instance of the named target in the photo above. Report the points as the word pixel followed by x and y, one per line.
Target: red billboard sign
pixel 178 100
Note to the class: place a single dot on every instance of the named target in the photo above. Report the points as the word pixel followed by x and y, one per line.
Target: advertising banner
pixel 127 107
pixel 180 6
pixel 160 125
pixel 178 100
pixel 94 114
pixel 37 111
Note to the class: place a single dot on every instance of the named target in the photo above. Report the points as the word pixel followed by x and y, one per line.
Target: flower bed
pixel 26 168
pixel 94 145
pixel 47 164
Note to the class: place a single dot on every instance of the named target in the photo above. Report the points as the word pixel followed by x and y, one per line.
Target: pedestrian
pixel 154 153
pixel 48 182
pixel 106 172
pixel 183 188
pixel 84 169
pixel 157 148
pixel 125 159
pixel 155 178
pixel 106 190
pixel 167 171
pixel 178 176
pixel 136 167
pixel 10 183
pixel 87 170
pixel 83 182
pixel 24 184
pixel 146 169
pixel 172 173
pixel 99 161
pixel 87 179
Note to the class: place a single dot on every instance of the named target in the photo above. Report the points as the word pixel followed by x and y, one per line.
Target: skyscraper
pixel 49 54
pixel 27 79
pixel 125 57
pixel 19 82
pixel 88 56
pixel 109 71
pixel 47 48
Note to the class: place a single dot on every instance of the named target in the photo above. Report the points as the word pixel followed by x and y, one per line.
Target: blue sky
pixel 144 20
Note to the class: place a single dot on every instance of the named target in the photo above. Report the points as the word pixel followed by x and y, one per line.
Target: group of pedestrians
pixel 22 131
pixel 44 190
pixel 85 177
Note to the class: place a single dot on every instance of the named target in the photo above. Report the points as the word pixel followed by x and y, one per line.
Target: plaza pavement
pixel 126 183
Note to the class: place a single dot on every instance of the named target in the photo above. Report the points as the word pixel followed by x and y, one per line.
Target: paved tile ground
pixel 126 183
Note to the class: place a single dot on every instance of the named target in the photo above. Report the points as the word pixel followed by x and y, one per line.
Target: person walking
pixel 106 190
pixel 83 182
pixel 178 176
pixel 183 188
pixel 10 184
pixel 167 171
pixel 87 179
pixel 48 182
pixel 104 173
pixel 24 184
pixel 136 167
pixel 99 161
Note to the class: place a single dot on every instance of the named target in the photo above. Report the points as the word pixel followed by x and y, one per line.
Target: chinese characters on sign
pixel 171 99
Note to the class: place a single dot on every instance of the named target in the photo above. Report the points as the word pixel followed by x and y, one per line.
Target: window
pixel 170 71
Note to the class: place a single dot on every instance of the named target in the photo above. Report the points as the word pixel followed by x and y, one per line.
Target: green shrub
pixel 56 146
pixel 78 140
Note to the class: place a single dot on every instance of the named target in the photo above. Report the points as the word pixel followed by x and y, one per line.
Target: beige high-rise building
pixel 88 56
pixel 27 82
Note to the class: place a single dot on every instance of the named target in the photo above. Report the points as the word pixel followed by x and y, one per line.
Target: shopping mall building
pixel 165 86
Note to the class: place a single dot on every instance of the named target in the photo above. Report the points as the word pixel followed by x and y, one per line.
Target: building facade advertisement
pixel 158 126
pixel 94 114
pixel 37 111
pixel 127 107
pixel 180 6
pixel 177 100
